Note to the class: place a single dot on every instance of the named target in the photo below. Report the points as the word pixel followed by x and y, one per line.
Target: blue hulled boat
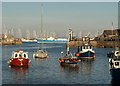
pixel 85 51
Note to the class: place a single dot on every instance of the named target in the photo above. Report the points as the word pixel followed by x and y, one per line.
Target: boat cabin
pixel 86 47
pixel 19 54
pixel 115 63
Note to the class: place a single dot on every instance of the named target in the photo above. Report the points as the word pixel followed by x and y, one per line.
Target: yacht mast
pixel 41 25
pixel 41 20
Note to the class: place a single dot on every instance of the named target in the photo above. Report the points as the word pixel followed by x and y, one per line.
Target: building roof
pixel 112 32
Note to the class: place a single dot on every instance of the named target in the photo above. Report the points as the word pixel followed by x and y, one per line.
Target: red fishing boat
pixel 19 58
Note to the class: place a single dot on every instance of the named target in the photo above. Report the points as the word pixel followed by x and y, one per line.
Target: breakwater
pixel 97 44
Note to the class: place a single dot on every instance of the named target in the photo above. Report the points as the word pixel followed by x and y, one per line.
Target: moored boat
pixel 28 40
pixel 40 54
pixel 52 40
pixel 68 58
pixel 114 64
pixel 86 51
pixel 19 58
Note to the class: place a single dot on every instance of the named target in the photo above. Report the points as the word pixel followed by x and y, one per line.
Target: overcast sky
pixel 58 17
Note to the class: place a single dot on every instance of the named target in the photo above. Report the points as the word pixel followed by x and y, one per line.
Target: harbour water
pixel 49 71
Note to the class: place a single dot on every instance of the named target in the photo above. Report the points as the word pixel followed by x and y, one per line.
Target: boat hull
pixel 86 55
pixel 19 62
pixel 115 73
pixel 69 65
pixel 62 63
pixel 40 54
pixel 41 57
pixel 29 41
pixel 69 61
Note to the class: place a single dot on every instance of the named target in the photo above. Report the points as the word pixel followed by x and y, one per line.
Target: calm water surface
pixel 49 71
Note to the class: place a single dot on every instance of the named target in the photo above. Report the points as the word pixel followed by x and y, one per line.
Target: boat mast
pixel 41 32
pixel 41 20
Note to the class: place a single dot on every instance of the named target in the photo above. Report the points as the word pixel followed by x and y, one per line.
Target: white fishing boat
pixel 114 64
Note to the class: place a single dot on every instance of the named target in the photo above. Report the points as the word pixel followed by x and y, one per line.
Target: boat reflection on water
pixel 115 82
pixel 86 67
pixel 70 68
pixel 38 59
pixel 19 72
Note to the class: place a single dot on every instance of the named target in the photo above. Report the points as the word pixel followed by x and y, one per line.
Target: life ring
pixel 117 53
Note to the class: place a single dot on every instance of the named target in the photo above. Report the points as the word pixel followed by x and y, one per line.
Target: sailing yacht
pixel 40 53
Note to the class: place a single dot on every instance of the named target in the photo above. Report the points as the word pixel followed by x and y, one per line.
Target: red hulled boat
pixel 69 58
pixel 19 58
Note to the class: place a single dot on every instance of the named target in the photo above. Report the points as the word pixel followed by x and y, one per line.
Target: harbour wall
pixel 96 44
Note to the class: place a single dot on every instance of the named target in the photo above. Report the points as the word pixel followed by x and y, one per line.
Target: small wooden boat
pixel 19 58
pixel 68 58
